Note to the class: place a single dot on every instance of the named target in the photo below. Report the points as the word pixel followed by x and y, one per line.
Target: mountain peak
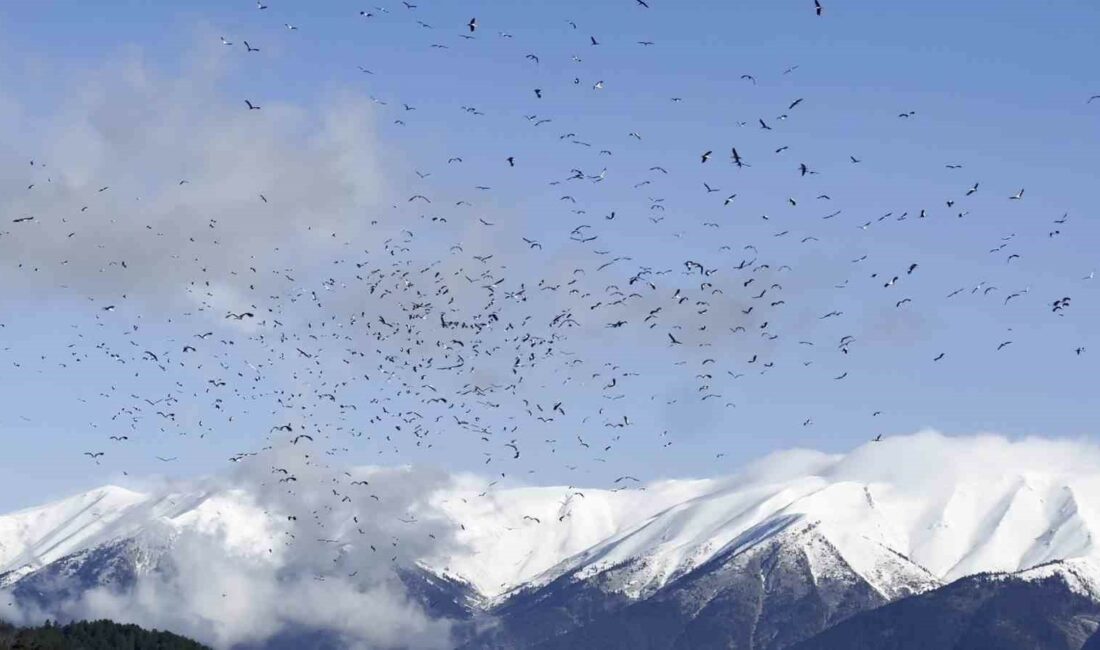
pixel 906 514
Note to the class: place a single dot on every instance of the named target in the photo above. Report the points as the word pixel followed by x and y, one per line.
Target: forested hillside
pixel 91 635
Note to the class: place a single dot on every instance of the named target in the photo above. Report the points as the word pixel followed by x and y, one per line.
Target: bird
pixel 468 338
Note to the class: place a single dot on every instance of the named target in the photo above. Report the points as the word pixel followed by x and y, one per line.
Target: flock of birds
pixel 424 335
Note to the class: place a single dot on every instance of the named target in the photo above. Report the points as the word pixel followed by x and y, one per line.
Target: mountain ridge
pixel 809 539
pixel 1009 519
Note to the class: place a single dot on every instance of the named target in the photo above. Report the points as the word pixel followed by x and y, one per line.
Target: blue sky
pixel 998 88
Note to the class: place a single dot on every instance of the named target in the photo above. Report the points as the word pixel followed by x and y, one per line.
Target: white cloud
pixel 140 133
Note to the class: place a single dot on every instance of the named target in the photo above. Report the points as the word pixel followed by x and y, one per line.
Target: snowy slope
pixel 499 549
pixel 959 507
pixel 33 538
pixel 1081 576
pixel 905 514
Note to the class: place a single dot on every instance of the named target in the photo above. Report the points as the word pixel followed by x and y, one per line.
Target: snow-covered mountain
pixel 35 538
pixel 834 535
pixel 905 514
pixel 1052 607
